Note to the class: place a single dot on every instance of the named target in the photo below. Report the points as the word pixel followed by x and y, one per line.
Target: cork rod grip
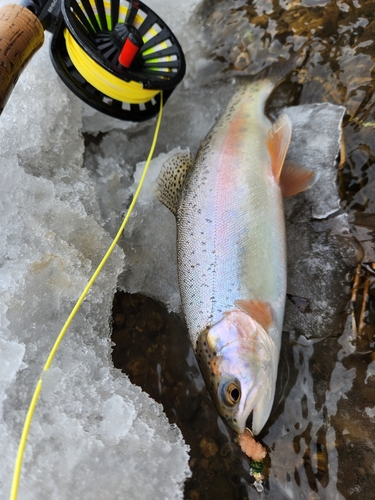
pixel 21 35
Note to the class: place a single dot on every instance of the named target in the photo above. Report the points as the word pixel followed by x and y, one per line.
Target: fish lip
pixel 250 422
pixel 263 407
pixel 245 424
pixel 251 402
pixel 257 406
pixel 246 419
pixel 238 428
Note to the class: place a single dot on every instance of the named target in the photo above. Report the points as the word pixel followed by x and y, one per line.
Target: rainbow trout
pixel 231 249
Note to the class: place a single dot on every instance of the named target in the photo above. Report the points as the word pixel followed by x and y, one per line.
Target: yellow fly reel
pixel 118 56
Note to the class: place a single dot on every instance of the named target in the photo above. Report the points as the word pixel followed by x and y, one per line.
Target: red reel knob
pixel 130 49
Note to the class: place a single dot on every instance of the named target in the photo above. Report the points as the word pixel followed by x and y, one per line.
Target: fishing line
pixel 107 83
pixel 34 400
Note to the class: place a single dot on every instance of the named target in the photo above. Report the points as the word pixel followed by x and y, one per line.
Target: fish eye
pixel 231 393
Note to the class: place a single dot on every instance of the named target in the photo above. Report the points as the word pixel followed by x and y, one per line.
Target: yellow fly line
pixel 131 92
pixel 34 400
pixel 108 84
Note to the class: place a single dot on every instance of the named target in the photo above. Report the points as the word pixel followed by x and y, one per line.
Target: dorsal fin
pixel 171 179
pixel 295 179
pixel 260 311
pixel 277 141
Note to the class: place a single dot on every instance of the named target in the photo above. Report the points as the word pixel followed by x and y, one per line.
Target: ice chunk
pixel 320 249
pixel 370 371
pixel 95 122
pixel 11 361
pixel 316 141
pixel 370 412
pixel 363 229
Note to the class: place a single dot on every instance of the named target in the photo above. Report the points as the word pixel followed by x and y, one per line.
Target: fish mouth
pixel 256 419
pixel 261 411
pixel 236 426
pixel 244 417
pixel 249 422
pixel 256 409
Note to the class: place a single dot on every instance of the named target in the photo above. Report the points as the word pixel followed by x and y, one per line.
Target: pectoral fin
pixel 171 179
pixel 277 141
pixel 295 179
pixel 260 311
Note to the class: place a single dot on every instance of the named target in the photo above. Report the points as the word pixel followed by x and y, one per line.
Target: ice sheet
pixel 320 249
pixel 316 142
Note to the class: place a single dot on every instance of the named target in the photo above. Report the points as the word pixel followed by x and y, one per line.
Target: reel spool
pixel 117 55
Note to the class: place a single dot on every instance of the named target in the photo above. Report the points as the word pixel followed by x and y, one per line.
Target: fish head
pixel 238 360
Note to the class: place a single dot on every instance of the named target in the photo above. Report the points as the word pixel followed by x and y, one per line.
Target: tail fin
pixel 276 72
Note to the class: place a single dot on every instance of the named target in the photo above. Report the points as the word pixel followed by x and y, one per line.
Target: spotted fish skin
pixel 230 221
pixel 231 251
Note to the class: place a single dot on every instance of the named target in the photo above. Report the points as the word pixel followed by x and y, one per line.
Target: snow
pixel 94 434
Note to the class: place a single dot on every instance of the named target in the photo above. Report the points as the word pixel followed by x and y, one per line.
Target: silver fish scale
pixel 230 222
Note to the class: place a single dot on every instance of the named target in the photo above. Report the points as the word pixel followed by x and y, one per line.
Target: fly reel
pixel 117 55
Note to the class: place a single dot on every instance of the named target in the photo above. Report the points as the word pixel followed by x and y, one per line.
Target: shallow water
pixel 321 432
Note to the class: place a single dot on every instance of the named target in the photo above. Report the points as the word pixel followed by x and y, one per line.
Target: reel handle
pixel 21 35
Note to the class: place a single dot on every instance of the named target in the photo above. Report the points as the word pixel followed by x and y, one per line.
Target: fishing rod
pixel 118 56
